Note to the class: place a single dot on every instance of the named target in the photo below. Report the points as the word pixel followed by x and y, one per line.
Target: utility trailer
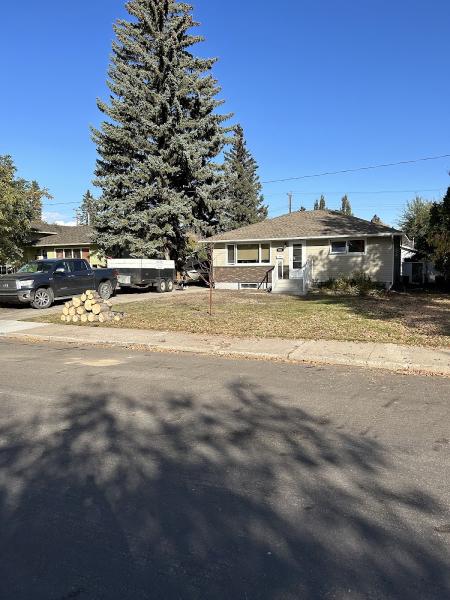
pixel 141 273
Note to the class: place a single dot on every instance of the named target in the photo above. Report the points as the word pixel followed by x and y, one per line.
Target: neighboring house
pixel 292 252
pixel 416 269
pixel 62 241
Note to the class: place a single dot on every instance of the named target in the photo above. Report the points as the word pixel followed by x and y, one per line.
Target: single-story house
pixel 62 241
pixel 292 252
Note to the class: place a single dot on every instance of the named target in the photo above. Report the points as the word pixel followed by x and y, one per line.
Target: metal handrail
pixel 265 279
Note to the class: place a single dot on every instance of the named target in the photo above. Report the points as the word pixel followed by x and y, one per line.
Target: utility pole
pixel 290 201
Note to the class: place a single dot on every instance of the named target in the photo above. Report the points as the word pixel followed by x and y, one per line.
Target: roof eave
pixel 303 237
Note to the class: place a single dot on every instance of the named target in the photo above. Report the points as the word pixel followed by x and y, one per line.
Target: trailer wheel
pixel 169 285
pixel 161 286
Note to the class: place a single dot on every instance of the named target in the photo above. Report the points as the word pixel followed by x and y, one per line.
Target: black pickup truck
pixel 40 282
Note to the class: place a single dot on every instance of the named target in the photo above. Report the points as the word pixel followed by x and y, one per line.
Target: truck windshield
pixel 36 267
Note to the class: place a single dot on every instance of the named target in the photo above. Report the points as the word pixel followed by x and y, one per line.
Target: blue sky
pixel 318 85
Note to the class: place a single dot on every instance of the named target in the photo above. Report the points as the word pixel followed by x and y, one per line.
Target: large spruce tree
pixel 244 201
pixel 158 146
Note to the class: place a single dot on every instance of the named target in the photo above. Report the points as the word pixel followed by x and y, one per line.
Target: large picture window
pixel 348 247
pixel 248 254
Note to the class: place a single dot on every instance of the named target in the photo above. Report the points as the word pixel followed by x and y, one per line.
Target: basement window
pixel 248 286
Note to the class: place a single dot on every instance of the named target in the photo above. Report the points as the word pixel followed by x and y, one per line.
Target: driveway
pixel 130 476
pixel 14 312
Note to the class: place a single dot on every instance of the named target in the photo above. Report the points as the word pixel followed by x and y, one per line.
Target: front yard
pixel 413 319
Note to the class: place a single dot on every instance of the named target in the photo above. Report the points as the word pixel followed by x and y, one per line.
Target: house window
pixel 265 253
pixel 85 253
pixel 348 247
pixel 248 254
pixel 231 254
pixel 297 256
pixel 358 246
pixel 338 247
pixel 59 253
pixel 76 253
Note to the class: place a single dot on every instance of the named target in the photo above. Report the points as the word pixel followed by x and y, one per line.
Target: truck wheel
pixel 169 285
pixel 105 290
pixel 161 286
pixel 43 298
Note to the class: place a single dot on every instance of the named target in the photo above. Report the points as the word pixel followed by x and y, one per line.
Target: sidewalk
pixel 377 356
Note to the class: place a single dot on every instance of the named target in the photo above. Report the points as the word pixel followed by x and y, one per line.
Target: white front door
pixel 296 260
pixel 280 268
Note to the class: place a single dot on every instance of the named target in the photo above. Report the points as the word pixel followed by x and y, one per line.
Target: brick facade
pixel 246 274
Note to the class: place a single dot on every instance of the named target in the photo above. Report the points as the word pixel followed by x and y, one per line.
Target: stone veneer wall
pixel 245 274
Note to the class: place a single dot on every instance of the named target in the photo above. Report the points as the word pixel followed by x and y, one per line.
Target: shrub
pixel 358 283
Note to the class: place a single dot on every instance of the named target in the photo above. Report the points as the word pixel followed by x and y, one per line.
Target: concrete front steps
pixel 294 287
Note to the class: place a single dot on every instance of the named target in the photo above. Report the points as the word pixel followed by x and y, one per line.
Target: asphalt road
pixel 135 476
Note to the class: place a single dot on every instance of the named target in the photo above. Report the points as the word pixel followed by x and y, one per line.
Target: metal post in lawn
pixel 210 253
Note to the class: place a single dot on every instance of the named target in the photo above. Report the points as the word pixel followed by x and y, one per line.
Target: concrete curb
pixel 392 357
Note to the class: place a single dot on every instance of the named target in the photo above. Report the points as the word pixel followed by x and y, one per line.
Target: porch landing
pixel 292 287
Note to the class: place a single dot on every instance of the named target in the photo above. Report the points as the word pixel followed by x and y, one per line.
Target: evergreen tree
pixel 20 203
pixel 346 208
pixel 438 236
pixel 158 146
pixel 244 201
pixel 87 212
pixel 320 204
pixel 415 221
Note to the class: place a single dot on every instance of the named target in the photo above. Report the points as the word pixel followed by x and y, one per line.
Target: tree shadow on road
pixel 240 496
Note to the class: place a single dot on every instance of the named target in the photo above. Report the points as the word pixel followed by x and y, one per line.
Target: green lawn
pixel 415 319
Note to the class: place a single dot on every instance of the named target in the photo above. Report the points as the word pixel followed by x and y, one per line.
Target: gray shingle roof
pixel 305 224
pixel 65 235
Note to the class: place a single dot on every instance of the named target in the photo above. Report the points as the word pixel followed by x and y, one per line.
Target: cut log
pixel 81 310
pixel 63 318
pixel 65 311
pixel 92 318
pixel 91 295
pixel 117 318
pixel 104 317
pixel 83 298
pixel 100 308
pixel 84 318
pixel 88 305
pixel 75 319
pixel 76 301
pixel 68 304
pixel 72 311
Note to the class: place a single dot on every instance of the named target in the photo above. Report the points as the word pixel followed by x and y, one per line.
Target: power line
pixel 307 193
pixel 394 164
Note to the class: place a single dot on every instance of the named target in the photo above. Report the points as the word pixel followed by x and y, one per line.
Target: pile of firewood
pixel 89 308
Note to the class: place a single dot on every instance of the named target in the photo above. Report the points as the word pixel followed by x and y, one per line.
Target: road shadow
pixel 107 496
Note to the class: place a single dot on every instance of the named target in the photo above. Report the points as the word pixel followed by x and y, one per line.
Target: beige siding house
pixel 295 251
pixel 63 241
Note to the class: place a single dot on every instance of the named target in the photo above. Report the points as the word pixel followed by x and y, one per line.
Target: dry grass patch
pixel 414 319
